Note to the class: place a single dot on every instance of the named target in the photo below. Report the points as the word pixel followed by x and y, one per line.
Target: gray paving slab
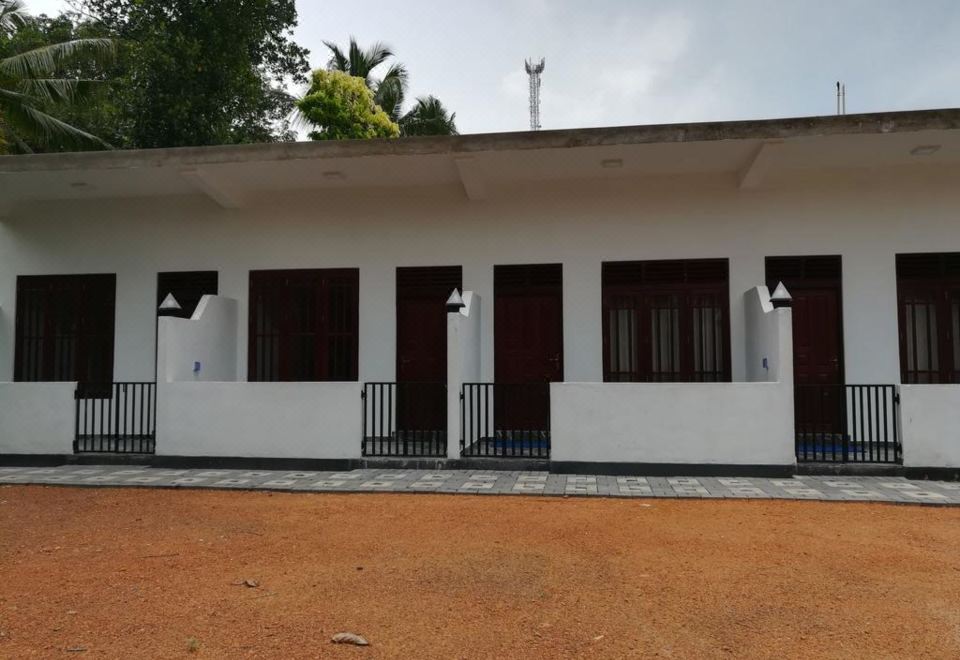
pixel 507 482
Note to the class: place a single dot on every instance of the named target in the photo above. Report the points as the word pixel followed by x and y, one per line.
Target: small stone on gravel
pixel 349 638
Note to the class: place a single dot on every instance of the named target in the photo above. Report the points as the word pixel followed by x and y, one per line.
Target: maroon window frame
pixel 928 311
pixel 666 321
pixel 303 325
pixel 65 328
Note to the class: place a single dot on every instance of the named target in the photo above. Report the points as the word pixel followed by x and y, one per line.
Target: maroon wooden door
pixel 528 343
pixel 422 345
pixel 815 284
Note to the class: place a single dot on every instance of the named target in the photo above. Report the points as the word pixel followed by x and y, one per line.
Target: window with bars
pixel 666 321
pixel 303 325
pixel 928 293
pixel 65 328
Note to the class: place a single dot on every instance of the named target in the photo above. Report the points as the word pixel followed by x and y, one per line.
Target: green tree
pixel 201 73
pixel 428 117
pixel 388 91
pixel 39 77
pixel 342 107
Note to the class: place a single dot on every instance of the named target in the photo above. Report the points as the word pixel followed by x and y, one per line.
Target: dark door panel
pixel 815 284
pixel 528 342
pixel 422 345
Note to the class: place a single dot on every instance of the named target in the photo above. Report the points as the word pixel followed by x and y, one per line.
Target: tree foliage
pixel 47 73
pixel 342 107
pixel 428 117
pixel 388 91
pixel 200 73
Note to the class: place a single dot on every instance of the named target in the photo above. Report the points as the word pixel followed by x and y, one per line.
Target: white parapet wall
pixel 260 420
pixel 37 418
pixel 706 423
pixel 930 416
pixel 747 423
pixel 201 348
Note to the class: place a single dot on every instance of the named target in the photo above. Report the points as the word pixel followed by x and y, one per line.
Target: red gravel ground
pixel 158 574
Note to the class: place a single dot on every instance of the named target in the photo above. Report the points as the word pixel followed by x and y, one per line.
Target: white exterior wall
pixel 36 418
pixel 930 415
pixel 866 219
pixel 276 420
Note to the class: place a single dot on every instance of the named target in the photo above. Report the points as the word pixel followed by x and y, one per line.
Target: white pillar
pixel 463 360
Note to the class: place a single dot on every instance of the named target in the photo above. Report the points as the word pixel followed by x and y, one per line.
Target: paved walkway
pixel 869 489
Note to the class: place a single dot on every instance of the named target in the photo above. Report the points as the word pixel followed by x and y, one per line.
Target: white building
pixel 638 254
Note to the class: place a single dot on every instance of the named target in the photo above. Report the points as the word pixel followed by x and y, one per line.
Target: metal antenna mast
pixel 534 69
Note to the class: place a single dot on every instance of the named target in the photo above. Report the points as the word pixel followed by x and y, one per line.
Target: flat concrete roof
pixel 764 129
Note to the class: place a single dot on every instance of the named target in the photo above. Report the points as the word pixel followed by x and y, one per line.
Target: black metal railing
pixel 505 420
pixel 116 418
pixel 847 423
pixel 404 419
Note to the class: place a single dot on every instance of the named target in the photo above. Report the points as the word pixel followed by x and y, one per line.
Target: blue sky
pixel 616 62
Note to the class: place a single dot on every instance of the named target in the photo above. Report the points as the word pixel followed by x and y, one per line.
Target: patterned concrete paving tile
pixel 735 483
pixel 945 485
pixel 861 493
pixel 748 491
pixel 328 483
pixel 786 483
pixel 7 478
pixel 426 485
pixel 42 471
pixel 435 476
pixel 690 490
pixel 529 486
pixel 580 479
pixel 532 478
pixel 477 485
pixel 632 481
pixel 378 483
pixel 278 483
pixel 483 477
pixel 804 492
pixel 580 488
pixel 926 495
pixel 12 469
pixel 346 475
pixel 231 482
pixel 190 480
pixel 899 486
pixel 143 480
pixel 255 474
pixel 634 489
pixel 831 483
pixel 683 481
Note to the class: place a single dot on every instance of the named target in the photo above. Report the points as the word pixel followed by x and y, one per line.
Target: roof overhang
pixel 747 150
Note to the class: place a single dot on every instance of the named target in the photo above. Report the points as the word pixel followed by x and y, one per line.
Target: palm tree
pixel 428 117
pixel 388 91
pixel 32 81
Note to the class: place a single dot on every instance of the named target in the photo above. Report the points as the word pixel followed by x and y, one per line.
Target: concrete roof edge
pixel 762 129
